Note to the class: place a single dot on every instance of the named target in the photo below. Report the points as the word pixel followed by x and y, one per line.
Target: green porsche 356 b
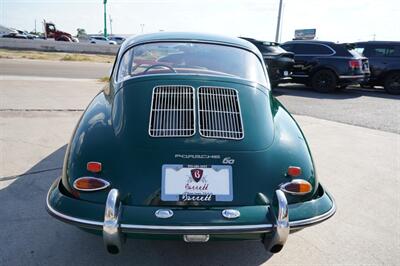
pixel 187 142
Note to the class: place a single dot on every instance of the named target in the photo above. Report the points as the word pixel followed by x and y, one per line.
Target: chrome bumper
pixel 111 227
pixel 114 231
pixel 113 238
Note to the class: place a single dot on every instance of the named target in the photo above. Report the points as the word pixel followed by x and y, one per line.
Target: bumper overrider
pixel 115 221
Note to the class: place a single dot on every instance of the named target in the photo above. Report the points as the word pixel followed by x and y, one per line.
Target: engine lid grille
pixel 219 113
pixel 172 111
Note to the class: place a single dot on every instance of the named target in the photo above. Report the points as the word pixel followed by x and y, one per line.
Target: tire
pixel 324 81
pixel 392 83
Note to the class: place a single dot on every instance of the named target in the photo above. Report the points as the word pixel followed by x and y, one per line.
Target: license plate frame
pixel 207 183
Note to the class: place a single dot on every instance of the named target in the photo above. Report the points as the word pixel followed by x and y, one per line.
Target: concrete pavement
pixel 372 108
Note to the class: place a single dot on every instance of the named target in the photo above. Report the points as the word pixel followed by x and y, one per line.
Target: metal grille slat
pixel 219 113
pixel 172 111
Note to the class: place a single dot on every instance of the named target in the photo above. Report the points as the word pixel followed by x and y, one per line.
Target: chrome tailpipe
pixel 111 229
pixel 281 229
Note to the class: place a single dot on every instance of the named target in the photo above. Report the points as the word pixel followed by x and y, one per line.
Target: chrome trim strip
pixel 215 229
pixel 90 224
pixel 316 219
pixel 111 229
pixel 352 77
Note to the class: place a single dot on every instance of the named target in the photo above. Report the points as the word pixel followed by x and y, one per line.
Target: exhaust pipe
pixel 281 229
pixel 111 230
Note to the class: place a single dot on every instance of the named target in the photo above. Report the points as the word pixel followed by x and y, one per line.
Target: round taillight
pixel 88 183
pixel 297 187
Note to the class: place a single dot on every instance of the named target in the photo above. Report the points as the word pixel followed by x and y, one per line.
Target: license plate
pixel 201 183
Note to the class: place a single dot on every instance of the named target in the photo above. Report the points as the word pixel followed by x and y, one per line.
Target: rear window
pixel 190 58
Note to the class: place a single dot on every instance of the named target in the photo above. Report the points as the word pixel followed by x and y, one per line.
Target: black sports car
pixel 279 62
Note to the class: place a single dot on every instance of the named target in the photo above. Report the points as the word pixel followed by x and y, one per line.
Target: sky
pixel 337 20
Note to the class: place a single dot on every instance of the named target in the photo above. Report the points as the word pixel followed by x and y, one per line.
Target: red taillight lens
pixel 90 184
pixel 94 167
pixel 297 187
pixel 294 171
pixel 355 64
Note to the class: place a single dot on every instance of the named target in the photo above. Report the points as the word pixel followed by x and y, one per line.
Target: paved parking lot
pixel 358 164
pixel 371 108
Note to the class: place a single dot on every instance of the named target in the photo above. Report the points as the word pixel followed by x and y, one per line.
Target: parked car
pixel 28 35
pixel 195 148
pixel 279 62
pixel 117 39
pixel 15 35
pixel 384 60
pixel 326 66
pixel 101 40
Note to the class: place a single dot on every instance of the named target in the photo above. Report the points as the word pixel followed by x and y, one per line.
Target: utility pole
pixel 105 18
pixel 278 24
pixel 110 25
pixel 281 27
pixel 35 26
pixel 142 25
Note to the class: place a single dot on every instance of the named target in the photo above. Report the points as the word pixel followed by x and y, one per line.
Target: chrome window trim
pixel 240 113
pixel 128 47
